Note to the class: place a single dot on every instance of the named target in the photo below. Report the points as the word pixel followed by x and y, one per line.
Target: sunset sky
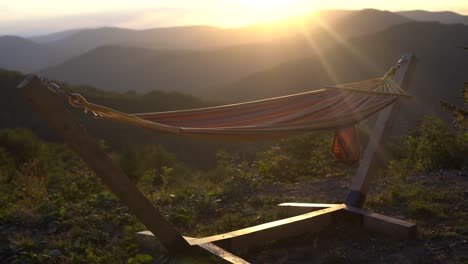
pixel 32 17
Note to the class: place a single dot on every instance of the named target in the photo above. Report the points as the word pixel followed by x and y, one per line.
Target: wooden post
pixel 61 120
pixel 382 127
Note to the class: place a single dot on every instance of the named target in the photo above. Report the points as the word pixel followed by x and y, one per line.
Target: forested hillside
pixel 15 112
pixel 21 54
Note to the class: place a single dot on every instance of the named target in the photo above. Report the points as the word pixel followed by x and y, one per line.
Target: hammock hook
pixel 402 61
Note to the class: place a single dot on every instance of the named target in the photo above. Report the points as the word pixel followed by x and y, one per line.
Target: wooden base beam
pixel 378 223
pixel 396 228
pixel 291 209
pixel 261 234
pixel 295 225
pixel 276 230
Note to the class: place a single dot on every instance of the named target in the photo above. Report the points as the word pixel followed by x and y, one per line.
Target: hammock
pixel 337 108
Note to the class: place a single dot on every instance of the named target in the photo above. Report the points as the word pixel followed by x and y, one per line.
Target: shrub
pixel 298 158
pixel 22 144
pixel 434 146
pixel 136 162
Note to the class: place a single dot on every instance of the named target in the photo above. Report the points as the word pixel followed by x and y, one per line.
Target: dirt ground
pixel 439 240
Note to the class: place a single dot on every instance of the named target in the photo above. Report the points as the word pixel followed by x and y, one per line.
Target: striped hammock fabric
pixel 337 108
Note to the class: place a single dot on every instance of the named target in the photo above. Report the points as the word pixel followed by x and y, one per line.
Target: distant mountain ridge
pixel 368 21
pixel 196 37
pixel 44 39
pixel 123 68
pixel 158 38
pixel 128 68
pixel 381 50
pixel 21 54
pixel 446 17
pixel 65 45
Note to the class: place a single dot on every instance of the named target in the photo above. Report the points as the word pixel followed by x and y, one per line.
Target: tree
pixel 459 114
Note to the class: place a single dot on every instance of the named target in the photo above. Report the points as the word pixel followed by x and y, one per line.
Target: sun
pixel 273 9
pixel 269 4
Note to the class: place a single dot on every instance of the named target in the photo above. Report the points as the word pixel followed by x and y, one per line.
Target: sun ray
pixel 307 34
pixel 342 41
pixel 354 51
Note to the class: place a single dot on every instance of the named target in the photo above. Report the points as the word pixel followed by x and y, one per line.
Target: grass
pixel 437 202
pixel 53 209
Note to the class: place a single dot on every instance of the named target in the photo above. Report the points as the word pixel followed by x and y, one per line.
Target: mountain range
pixel 24 55
pixel 269 59
pixel 124 67
pixel 445 17
pixel 40 52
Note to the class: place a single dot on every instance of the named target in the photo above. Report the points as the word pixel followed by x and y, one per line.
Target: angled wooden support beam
pixel 383 125
pixel 53 110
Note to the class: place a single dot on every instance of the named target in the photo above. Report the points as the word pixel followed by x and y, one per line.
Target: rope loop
pixel 77 100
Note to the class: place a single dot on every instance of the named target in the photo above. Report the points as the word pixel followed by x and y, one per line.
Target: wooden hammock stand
pixel 303 218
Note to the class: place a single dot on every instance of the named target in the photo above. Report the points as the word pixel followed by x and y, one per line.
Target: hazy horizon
pixel 29 18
